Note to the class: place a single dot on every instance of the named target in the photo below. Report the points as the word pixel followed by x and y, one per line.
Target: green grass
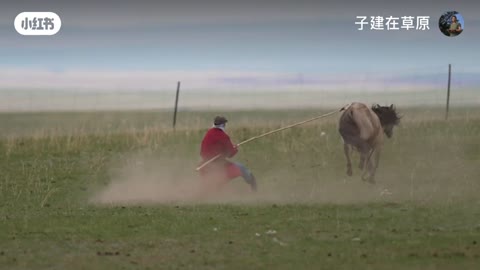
pixel 52 165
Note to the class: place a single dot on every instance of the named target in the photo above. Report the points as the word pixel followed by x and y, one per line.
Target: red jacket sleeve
pixel 231 149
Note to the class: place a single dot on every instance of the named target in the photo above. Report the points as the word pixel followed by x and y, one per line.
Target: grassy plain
pixel 113 190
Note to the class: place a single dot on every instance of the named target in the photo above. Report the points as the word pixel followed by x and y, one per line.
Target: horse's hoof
pixel 349 171
pixel 369 179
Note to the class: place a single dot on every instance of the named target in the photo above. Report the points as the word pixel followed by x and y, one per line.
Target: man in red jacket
pixel 217 142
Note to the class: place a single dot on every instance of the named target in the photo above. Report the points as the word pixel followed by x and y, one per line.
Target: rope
pixel 275 131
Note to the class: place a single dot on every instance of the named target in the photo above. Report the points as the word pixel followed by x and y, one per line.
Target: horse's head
pixel 388 118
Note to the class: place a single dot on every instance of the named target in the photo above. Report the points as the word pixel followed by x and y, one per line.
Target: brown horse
pixel 362 128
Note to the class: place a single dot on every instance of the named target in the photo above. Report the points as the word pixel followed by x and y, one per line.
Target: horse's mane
pixel 387 114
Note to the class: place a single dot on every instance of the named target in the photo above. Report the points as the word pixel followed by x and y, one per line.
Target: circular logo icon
pixel 451 23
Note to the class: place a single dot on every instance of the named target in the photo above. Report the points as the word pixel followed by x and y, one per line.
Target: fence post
pixel 448 90
pixel 176 106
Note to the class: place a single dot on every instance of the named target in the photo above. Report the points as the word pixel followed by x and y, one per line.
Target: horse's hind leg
pixel 346 150
pixel 372 164
pixel 377 157
pixel 361 146
pixel 361 164
pixel 364 152
pixel 375 167
pixel 371 172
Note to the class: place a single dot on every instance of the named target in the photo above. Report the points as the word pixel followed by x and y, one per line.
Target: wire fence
pixel 426 86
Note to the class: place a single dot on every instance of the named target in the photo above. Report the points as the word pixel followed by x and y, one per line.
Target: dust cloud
pixel 162 181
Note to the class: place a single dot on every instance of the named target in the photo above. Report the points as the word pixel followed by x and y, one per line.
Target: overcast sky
pixel 230 43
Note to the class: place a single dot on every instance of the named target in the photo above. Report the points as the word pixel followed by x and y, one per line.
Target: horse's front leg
pixel 346 150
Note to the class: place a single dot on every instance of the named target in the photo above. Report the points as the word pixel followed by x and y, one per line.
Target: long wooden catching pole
pixel 275 131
